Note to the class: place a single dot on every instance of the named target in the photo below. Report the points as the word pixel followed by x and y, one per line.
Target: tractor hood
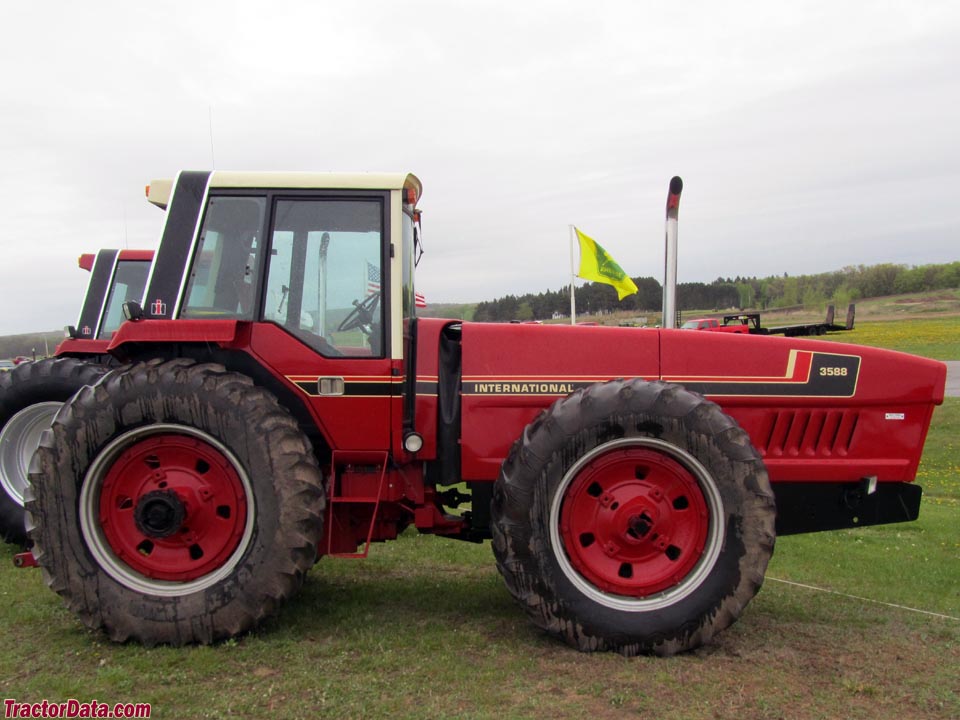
pixel 826 392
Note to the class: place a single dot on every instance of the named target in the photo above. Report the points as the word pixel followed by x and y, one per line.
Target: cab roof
pixel 159 191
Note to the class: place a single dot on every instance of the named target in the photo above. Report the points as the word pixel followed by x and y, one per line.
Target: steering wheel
pixel 363 314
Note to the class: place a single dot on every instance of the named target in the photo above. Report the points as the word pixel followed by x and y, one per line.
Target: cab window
pixel 128 284
pixel 325 274
pixel 223 276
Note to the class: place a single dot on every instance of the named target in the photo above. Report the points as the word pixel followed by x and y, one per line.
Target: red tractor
pixel 714 325
pixel 32 393
pixel 282 401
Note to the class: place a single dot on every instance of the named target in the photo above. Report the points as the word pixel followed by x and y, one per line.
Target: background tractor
pixel 32 393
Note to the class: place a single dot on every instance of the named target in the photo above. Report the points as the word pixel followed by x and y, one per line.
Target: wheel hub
pixel 639 526
pixel 159 514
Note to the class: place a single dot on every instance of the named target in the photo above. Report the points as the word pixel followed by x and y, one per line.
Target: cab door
pixel 323 310
pixel 307 272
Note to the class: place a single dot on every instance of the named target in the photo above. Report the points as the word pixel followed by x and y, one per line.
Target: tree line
pixel 839 287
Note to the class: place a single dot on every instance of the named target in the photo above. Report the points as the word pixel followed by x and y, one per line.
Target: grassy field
pixel 938 338
pixel 425 629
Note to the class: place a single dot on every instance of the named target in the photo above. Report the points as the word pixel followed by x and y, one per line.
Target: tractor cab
pixel 304 281
pixel 116 277
pixel 287 250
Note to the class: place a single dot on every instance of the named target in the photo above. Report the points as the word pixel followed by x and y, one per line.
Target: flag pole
pixel 573 272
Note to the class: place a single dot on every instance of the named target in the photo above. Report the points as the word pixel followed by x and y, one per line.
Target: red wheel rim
pixel 172 507
pixel 634 522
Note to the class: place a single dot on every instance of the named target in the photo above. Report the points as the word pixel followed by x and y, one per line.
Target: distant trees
pixel 839 287
pixel 596 297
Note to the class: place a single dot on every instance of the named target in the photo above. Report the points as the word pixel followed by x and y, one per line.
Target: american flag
pixel 373 285
pixel 373 279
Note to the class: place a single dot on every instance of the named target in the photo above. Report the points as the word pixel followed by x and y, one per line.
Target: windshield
pixel 128 283
pixel 224 273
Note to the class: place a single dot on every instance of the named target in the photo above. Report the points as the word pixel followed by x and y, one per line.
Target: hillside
pixel 30 345
pixel 935 303
pixel 839 288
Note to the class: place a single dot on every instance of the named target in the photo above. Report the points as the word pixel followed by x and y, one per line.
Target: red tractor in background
pixel 748 323
pixel 32 393
pixel 714 325
pixel 281 401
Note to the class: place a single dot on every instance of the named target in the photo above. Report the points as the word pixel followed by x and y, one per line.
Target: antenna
pixel 213 159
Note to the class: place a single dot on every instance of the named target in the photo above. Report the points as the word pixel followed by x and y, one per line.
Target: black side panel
pixel 171 260
pixel 481 497
pixel 410 379
pixel 448 401
pixel 97 290
pixel 804 507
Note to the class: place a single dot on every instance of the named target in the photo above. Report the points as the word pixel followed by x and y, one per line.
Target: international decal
pixel 808 374
pixel 522 388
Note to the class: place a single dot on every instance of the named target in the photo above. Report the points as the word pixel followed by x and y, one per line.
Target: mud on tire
pixel 30 396
pixel 174 502
pixel 633 516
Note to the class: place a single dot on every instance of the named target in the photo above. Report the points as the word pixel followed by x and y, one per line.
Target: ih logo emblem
pixel 86 330
pixel 158 307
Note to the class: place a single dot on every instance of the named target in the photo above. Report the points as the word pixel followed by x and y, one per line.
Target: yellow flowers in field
pixel 938 338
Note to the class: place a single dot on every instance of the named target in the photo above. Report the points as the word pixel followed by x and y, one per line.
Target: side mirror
pixel 132 310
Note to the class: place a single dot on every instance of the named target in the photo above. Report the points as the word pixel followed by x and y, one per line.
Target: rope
pixel 863 599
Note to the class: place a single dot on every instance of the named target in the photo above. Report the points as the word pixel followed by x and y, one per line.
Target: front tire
pixel 175 503
pixel 635 517
pixel 30 396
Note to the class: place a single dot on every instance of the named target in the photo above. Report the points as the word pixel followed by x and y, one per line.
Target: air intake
pixel 810 433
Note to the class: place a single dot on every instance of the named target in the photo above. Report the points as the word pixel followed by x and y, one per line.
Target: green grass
pixel 937 338
pixel 920 563
pixel 425 629
pixel 939 472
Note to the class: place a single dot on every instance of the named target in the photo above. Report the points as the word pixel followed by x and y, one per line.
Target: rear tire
pixel 30 396
pixel 635 517
pixel 175 503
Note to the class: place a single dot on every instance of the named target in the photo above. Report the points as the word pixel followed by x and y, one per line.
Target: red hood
pixel 815 393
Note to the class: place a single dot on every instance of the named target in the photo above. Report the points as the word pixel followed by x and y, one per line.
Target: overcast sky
pixel 809 135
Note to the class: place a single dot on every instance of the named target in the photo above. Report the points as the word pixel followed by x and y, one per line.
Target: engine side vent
pixel 809 433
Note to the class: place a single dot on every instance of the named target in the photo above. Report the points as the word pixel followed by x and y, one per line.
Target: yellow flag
pixel 596 264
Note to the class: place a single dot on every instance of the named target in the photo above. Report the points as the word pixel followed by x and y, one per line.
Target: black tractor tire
pixel 174 503
pixel 30 396
pixel 634 517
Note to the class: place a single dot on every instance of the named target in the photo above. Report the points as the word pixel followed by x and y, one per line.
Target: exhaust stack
pixel 670 256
